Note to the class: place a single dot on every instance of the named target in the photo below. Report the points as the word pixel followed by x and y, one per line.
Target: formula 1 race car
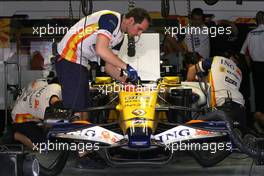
pixel 145 125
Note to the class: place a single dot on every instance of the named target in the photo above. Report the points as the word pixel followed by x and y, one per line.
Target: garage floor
pixel 235 165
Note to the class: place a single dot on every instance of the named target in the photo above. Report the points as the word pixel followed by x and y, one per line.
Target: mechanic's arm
pixel 248 61
pixel 202 66
pixel 191 74
pixel 246 53
pixel 114 72
pixel 105 53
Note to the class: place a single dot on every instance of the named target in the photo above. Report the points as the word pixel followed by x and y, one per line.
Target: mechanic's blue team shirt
pixel 225 79
pixel 80 40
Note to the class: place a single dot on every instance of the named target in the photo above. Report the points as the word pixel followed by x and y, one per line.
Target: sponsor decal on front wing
pixel 182 133
pixel 96 133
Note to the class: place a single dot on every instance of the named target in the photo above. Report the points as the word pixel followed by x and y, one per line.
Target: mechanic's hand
pixel 131 74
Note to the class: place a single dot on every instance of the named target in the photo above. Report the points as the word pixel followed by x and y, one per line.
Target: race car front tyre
pixel 55 165
pixel 208 158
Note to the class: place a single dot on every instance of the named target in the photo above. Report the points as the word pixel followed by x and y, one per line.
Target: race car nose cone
pixel 139 138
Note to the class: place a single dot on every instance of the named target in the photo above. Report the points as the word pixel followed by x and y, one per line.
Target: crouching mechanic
pixel 29 109
pixel 224 78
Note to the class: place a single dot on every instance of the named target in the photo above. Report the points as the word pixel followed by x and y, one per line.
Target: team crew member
pixel 97 36
pixel 253 48
pixel 200 40
pixel 224 78
pixel 30 108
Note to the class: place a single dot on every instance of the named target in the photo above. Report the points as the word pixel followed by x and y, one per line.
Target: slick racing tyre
pixel 52 163
pixel 208 158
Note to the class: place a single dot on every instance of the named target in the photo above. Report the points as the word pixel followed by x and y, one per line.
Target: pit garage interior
pixel 29 34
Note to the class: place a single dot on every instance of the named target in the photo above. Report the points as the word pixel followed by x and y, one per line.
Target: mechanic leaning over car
pixel 224 78
pixel 97 36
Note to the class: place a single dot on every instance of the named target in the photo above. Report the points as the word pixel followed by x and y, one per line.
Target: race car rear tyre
pixel 57 165
pixel 208 159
